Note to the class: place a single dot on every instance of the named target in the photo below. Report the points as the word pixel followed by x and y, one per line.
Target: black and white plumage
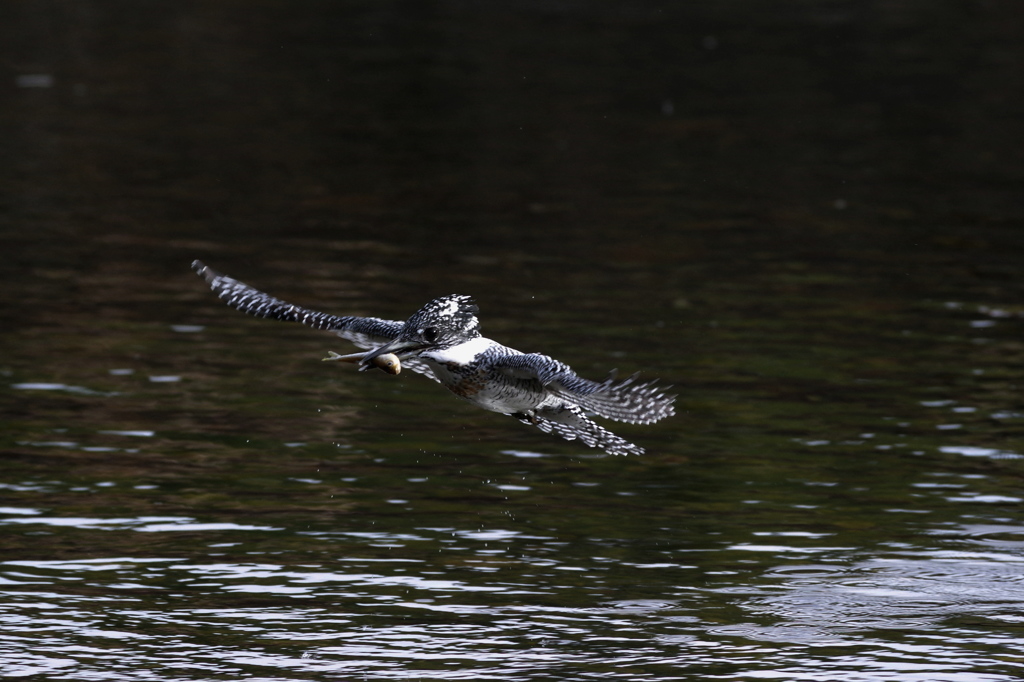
pixel 442 341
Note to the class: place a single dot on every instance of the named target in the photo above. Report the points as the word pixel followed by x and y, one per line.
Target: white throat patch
pixel 462 354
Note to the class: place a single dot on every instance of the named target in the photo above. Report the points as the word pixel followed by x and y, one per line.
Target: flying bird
pixel 442 341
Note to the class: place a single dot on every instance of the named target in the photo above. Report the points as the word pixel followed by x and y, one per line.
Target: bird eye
pixel 429 334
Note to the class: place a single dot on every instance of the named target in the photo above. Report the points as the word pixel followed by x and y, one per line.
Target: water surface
pixel 807 221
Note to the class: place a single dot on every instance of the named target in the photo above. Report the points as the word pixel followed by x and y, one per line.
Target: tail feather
pixel 571 423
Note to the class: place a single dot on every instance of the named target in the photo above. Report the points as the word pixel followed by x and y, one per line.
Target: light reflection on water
pixel 487 612
pixel 144 524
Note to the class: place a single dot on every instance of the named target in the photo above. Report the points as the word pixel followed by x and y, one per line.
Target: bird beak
pixel 400 348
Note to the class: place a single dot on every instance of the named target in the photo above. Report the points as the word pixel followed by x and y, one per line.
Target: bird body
pixel 442 341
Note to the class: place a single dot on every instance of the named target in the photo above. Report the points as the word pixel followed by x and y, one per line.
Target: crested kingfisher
pixel 442 341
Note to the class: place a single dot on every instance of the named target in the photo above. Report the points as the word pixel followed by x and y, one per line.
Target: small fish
pixel 388 362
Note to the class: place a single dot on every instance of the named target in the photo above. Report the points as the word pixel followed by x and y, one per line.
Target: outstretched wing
pixel 364 332
pixel 624 401
pixel 571 423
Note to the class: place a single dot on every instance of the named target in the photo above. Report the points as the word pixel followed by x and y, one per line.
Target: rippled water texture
pixel 807 220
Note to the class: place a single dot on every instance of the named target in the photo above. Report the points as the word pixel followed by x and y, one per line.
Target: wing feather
pixel 364 332
pixel 625 401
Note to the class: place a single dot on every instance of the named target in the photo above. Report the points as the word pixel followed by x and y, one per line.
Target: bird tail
pixel 569 422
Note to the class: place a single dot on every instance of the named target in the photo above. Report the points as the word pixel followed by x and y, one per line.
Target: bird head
pixel 442 323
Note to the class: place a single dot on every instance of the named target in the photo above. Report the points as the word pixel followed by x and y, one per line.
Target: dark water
pixel 805 215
